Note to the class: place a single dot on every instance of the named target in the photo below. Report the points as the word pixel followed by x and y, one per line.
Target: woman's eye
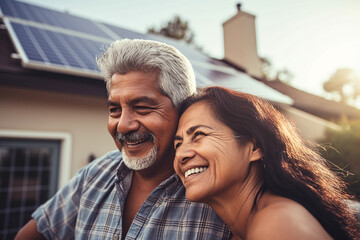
pixel 198 135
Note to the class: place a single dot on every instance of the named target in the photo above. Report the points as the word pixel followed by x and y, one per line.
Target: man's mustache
pixel 133 137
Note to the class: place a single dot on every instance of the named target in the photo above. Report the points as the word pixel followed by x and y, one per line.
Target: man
pixel 133 194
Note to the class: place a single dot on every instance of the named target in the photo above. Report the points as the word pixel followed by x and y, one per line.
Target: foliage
pixel 343 149
pixel 175 28
pixel 266 68
pixel 345 83
pixel 271 74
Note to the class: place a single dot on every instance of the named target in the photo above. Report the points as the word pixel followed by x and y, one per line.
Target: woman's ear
pixel 255 153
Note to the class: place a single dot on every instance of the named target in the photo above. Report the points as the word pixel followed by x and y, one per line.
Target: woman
pixel 241 156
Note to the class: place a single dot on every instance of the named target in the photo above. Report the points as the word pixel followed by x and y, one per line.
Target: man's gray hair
pixel 176 75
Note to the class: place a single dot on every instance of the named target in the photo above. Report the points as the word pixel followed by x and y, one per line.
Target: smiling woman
pixel 241 156
pixel 220 162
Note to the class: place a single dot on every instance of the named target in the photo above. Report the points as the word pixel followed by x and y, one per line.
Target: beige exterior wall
pixel 240 43
pixel 310 126
pixel 82 118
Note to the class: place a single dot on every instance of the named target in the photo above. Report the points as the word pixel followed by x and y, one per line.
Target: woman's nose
pixel 184 153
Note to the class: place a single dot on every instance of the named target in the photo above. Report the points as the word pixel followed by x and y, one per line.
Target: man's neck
pixel 142 185
pixel 146 182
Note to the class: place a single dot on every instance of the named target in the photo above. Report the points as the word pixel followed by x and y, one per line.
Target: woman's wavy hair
pixel 291 167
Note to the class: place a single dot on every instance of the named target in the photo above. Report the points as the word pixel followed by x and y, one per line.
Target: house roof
pixel 54 41
pixel 314 104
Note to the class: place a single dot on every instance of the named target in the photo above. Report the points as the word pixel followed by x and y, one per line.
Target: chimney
pixel 238 6
pixel 240 42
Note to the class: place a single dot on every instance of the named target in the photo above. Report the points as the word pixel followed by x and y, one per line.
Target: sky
pixel 310 38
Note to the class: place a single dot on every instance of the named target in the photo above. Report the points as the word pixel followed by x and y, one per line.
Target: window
pixel 29 171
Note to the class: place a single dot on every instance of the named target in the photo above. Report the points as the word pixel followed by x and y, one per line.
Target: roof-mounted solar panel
pixel 228 77
pixel 187 50
pixel 123 33
pixel 55 51
pixel 50 17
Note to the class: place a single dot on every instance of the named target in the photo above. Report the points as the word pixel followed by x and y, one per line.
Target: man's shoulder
pixel 104 165
pixel 111 158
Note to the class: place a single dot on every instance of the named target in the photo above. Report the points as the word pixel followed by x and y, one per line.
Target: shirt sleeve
pixel 56 219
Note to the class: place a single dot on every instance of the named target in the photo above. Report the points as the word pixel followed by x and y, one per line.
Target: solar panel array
pixel 55 49
pixel 56 41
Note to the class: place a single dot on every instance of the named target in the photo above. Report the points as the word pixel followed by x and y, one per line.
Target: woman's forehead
pixel 199 114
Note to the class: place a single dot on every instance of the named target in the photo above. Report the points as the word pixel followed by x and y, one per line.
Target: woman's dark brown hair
pixel 290 166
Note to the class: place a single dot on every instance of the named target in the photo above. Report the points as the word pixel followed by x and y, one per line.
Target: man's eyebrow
pixel 134 101
pixel 193 128
pixel 112 103
pixel 143 99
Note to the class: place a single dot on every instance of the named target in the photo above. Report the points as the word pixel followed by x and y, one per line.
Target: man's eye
pixel 177 145
pixel 141 107
pixel 114 110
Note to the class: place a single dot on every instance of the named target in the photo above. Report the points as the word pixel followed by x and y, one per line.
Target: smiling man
pixel 133 192
pixel 139 114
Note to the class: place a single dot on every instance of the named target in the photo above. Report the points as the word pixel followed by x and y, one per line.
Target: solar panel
pixel 56 50
pixel 227 77
pixel 26 43
pixel 185 49
pixel 124 33
pixel 54 18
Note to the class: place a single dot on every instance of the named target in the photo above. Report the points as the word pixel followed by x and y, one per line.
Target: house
pixel 53 100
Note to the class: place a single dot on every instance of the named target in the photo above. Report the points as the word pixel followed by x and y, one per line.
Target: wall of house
pixel 81 117
pixel 310 126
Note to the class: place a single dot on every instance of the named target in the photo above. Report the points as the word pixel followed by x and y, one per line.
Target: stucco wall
pixel 84 118
pixel 310 126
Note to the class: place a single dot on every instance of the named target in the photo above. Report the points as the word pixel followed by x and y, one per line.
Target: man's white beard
pixel 141 163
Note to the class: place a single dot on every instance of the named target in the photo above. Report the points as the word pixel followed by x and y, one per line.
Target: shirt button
pixel 116 237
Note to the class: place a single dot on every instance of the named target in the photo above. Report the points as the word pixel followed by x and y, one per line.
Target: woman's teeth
pixel 194 170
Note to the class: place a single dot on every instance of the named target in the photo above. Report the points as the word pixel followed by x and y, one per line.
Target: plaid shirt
pixel 90 206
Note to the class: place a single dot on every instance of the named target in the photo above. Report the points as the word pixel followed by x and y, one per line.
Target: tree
pixel 284 75
pixel 342 149
pixel 177 29
pixel 345 83
pixel 267 68
pixel 270 73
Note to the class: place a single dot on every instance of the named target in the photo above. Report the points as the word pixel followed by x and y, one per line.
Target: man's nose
pixel 184 153
pixel 127 122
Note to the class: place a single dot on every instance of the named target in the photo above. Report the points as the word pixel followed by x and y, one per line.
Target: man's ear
pixel 255 153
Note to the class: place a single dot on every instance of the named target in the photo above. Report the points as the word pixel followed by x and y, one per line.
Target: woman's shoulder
pixel 282 218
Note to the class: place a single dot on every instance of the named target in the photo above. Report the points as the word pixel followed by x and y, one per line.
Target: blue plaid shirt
pixel 90 206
